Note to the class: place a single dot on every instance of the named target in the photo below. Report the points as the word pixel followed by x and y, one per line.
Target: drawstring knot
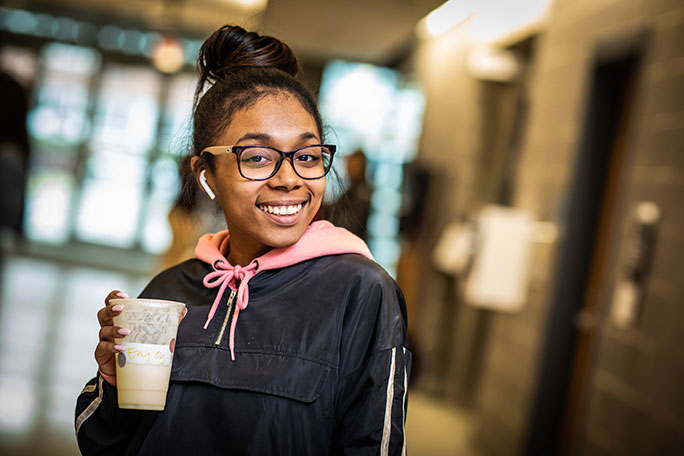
pixel 225 275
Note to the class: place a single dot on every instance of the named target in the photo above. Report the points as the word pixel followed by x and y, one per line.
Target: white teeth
pixel 281 210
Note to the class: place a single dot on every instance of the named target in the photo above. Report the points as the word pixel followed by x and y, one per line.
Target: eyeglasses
pixel 263 162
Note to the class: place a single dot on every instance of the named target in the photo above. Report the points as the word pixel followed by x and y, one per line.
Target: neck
pixel 239 254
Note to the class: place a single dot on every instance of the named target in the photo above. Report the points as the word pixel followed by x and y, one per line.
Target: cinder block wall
pixel 466 136
pixel 635 400
pixel 448 152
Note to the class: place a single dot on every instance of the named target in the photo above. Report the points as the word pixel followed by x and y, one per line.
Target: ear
pixel 194 165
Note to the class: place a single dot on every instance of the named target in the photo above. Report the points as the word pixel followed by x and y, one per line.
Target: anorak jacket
pixel 317 364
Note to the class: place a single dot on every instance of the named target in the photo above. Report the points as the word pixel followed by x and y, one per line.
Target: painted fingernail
pixel 124 332
pixel 122 294
pixel 118 347
pixel 117 308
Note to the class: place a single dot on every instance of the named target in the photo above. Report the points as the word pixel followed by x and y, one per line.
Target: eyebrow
pixel 265 137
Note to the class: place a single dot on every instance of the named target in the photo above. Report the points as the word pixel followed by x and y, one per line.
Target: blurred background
pixel 516 166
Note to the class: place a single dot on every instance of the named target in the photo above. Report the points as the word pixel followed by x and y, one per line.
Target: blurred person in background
pixel 189 218
pixel 14 153
pixel 14 159
pixel 352 209
pixel 319 363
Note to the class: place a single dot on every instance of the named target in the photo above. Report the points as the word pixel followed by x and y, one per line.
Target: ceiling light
pixel 488 19
pixel 490 63
pixel 444 18
pixel 251 5
pixel 499 18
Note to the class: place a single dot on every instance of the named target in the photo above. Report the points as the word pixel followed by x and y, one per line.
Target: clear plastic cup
pixel 144 367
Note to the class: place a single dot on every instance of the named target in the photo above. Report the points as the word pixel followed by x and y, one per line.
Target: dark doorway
pixel 584 252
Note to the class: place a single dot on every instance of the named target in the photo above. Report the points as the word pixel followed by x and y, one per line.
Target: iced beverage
pixel 143 368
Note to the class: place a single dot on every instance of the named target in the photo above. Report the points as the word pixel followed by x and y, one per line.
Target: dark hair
pixel 242 67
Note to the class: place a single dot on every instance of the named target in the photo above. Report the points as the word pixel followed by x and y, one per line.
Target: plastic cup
pixel 143 368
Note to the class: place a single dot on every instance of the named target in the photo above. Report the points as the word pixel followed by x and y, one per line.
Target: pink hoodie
pixel 320 239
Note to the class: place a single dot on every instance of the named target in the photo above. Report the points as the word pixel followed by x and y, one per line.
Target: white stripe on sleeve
pixel 387 429
pixel 90 409
pixel 403 405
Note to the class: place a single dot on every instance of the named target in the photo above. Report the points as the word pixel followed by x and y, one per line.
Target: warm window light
pixel 168 55
pixel 444 18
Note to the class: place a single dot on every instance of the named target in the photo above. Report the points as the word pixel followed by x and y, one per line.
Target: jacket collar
pixel 321 238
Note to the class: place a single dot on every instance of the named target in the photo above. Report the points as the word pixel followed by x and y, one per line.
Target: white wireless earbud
pixel 205 186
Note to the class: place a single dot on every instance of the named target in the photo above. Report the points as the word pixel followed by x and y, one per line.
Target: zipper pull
pixel 231 299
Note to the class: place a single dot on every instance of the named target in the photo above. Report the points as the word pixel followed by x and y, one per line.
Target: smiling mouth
pixel 281 210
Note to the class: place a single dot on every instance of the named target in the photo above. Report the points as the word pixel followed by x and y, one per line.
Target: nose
pixel 286 176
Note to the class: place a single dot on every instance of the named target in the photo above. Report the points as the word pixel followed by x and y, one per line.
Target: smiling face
pixel 261 215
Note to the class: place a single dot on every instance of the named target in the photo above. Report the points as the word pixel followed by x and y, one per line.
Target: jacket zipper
pixel 231 299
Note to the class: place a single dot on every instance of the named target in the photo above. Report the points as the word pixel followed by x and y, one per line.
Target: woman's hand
pixel 106 350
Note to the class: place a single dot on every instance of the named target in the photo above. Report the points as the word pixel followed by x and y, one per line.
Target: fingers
pixel 116 294
pixel 109 333
pixel 105 353
pixel 105 315
pixel 105 349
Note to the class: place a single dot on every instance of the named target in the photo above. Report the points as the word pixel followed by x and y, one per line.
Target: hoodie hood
pixel 320 239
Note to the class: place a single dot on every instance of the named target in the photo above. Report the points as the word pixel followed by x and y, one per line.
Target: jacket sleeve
pixel 372 406
pixel 103 428
pixel 375 365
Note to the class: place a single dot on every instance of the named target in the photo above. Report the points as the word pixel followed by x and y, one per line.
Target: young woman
pixel 294 341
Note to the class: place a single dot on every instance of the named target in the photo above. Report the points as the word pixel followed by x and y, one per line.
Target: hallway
pixel 48 329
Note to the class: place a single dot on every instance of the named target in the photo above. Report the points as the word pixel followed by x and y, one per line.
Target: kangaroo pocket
pixel 280 374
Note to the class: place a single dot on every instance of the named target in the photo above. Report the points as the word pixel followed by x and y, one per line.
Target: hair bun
pixel 233 46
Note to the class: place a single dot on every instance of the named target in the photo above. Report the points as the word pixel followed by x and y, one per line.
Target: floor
pixel 434 428
pixel 48 329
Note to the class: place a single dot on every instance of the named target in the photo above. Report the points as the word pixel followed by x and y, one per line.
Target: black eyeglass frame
pixel 237 150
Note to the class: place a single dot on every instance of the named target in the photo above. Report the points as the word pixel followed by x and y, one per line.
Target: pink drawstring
pixel 320 238
pixel 225 275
